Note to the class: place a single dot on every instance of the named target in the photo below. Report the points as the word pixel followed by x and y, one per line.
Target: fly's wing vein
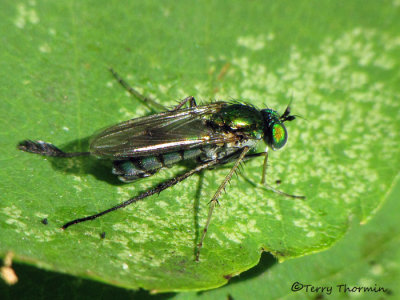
pixel 159 133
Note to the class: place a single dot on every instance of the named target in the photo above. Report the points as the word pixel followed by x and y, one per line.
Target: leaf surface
pixel 340 70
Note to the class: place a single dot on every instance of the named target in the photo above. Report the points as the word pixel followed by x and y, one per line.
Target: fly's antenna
pixel 47 149
pixel 286 116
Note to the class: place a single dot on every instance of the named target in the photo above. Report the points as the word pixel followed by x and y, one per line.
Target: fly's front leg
pixel 265 164
pixel 264 171
pixel 135 93
pixel 283 193
pixel 214 200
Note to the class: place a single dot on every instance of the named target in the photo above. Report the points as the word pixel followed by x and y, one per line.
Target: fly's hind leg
pixel 135 93
pixel 156 190
pixel 148 100
pixel 190 99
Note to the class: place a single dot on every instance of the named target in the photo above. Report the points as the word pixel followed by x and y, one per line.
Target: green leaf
pixel 340 69
pixel 367 256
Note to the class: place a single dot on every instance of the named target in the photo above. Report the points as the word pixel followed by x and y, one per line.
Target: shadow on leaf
pixel 36 283
pixel 99 168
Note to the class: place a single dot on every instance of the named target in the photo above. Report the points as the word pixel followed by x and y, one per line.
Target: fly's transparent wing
pixel 159 133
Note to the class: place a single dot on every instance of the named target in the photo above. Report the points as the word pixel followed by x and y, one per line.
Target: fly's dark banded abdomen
pixel 140 167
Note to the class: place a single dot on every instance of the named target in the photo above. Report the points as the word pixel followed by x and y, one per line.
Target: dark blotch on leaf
pixel 227 277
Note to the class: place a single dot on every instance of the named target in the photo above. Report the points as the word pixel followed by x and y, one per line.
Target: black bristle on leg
pixel 46 149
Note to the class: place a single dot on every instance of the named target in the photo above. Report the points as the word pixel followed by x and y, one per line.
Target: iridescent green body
pixel 237 126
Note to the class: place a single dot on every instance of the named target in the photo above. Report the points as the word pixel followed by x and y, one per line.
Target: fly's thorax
pixel 275 133
pixel 240 118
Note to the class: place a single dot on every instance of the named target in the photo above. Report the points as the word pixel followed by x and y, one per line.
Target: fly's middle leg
pixel 214 200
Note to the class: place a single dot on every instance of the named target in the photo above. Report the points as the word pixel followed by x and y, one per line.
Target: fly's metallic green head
pixel 275 133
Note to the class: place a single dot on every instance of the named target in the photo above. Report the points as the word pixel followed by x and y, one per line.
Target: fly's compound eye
pixel 279 136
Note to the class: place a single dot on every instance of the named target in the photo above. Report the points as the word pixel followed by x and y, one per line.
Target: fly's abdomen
pixel 140 167
pixel 128 170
